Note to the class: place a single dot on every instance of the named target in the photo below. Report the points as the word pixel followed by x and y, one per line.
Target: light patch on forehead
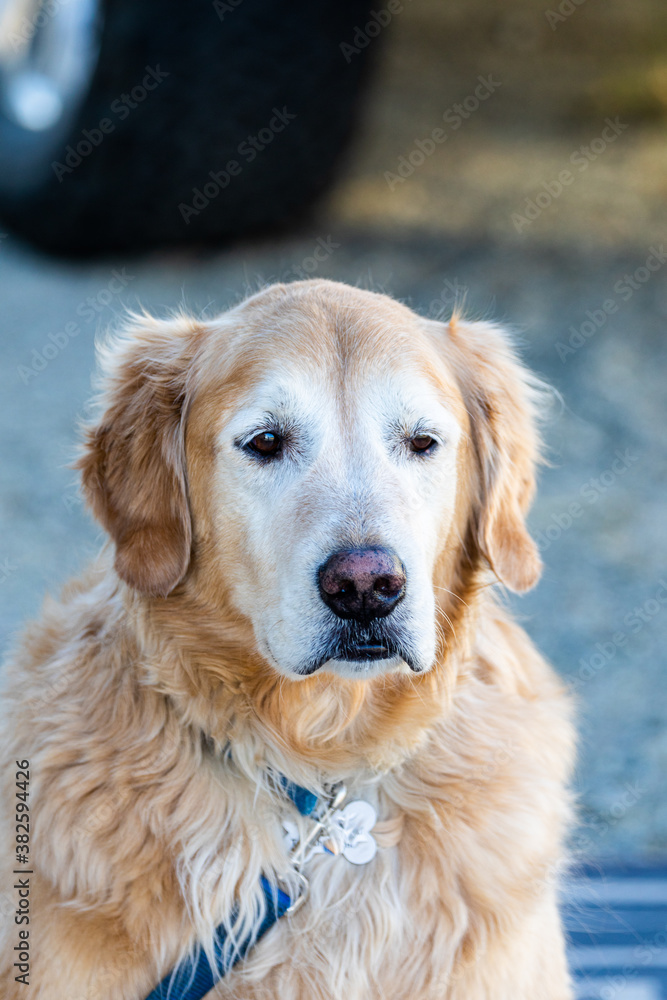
pixel 285 397
pixel 413 403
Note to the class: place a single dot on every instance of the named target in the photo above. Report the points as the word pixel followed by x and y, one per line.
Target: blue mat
pixel 616 923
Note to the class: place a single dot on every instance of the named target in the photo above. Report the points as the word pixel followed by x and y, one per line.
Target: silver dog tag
pixel 356 821
pixel 345 831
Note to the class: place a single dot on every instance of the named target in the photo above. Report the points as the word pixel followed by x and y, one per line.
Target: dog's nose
pixel 362 583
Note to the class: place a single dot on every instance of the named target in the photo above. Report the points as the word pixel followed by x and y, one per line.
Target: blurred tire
pixel 192 120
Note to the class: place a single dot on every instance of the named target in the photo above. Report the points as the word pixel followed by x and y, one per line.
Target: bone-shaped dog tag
pixel 357 820
pixel 361 851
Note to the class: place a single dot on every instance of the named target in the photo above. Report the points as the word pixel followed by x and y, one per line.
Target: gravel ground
pixel 582 283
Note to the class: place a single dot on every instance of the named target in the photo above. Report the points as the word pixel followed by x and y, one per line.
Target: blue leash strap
pixel 304 800
pixel 193 979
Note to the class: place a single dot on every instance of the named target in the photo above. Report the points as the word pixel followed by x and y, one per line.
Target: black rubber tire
pixel 220 72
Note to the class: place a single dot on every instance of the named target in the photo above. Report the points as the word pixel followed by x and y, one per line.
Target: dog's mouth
pixel 365 651
pixel 357 645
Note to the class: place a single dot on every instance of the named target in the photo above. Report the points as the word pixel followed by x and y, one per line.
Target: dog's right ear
pixel 133 461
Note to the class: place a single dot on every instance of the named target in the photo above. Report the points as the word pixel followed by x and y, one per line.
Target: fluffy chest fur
pixel 146 837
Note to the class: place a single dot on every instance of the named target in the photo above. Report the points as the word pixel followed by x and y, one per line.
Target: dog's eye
pixel 266 444
pixel 422 443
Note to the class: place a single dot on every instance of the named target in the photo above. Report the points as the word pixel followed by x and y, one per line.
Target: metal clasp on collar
pixel 303 893
pixel 301 851
pixel 334 831
pixel 306 846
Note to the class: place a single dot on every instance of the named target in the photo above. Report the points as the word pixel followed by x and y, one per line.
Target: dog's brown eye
pixel 421 443
pixel 266 444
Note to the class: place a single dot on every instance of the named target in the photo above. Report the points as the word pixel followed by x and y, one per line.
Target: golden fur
pixel 127 692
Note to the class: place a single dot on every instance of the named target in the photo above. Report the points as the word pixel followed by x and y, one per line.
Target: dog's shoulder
pixel 60 651
pixel 504 655
pixel 507 731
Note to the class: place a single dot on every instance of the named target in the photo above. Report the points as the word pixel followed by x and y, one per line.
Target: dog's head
pixel 321 462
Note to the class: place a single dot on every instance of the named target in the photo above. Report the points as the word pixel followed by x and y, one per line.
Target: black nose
pixel 362 583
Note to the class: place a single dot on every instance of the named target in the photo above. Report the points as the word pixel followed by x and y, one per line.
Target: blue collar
pixel 193 978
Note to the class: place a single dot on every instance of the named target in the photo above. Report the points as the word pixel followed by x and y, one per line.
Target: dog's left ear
pixel 133 462
pixel 504 402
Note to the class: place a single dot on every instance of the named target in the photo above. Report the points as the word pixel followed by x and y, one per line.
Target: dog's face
pixel 328 458
pixel 337 468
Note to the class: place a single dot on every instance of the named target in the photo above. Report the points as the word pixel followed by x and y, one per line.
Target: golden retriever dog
pixel 308 500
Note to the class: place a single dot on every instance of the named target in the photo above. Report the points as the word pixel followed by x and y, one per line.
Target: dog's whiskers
pixel 452 594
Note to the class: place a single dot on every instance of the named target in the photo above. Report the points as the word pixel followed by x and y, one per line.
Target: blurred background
pixel 509 156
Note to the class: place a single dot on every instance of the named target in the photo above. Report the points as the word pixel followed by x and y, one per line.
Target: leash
pixel 334 831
